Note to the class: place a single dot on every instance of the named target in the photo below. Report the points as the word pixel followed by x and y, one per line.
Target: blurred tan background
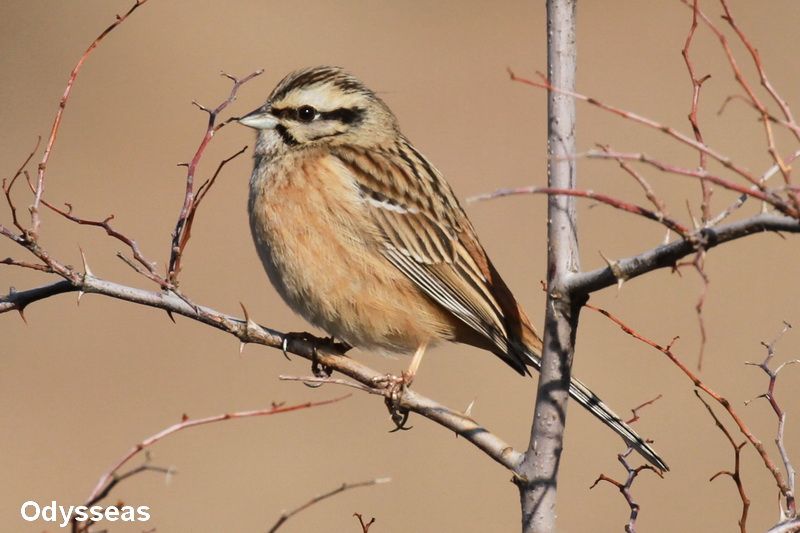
pixel 80 385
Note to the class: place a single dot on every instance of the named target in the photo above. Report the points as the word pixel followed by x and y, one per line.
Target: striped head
pixel 318 106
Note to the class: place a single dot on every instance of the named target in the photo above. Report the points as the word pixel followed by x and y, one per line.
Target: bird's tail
pixel 590 401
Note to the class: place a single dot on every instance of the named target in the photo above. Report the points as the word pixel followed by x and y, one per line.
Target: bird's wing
pixel 427 236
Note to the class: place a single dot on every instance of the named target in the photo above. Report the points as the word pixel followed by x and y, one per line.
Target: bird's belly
pixel 327 267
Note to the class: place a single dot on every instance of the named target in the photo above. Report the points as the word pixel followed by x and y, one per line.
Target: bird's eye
pixel 306 113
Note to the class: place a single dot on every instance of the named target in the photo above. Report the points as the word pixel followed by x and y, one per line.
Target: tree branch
pixel 538 472
pixel 668 254
pixel 307 347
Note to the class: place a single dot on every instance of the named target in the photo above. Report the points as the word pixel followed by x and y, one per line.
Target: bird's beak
pixel 260 119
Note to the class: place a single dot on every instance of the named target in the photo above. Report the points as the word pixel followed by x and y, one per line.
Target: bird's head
pixel 317 106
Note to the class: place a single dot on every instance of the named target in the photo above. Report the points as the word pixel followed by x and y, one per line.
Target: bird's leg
pixel 408 375
pixel 396 386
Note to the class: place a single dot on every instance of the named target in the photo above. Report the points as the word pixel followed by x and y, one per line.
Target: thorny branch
pixel 111 477
pixel 182 232
pixel 697 84
pixel 625 488
pixel 736 474
pixel 784 488
pixel 171 300
pixel 633 473
pixel 791 504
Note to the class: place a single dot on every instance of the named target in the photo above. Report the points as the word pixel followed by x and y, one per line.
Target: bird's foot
pixel 328 343
pixel 396 387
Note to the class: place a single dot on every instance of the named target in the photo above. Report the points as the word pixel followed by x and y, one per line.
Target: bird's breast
pixel 321 251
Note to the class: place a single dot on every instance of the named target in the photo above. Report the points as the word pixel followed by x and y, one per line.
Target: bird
pixel 362 236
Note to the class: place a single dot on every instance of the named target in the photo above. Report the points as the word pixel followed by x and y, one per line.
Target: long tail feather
pixel 589 400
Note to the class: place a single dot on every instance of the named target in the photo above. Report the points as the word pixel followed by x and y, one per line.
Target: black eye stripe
pixel 345 115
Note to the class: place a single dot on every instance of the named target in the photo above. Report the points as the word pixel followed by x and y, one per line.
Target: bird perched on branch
pixel 363 237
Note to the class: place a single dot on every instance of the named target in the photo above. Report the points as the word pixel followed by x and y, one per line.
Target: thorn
pixel 695 222
pixel 21 311
pixel 614 266
pixel 241 348
pixel 80 295
pixel 169 314
pixel 86 270
pixel 468 410
pixel 249 324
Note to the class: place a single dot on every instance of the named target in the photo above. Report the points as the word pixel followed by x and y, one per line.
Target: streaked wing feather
pixel 426 239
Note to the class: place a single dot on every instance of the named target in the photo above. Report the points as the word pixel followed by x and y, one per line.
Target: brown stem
pixel 62 104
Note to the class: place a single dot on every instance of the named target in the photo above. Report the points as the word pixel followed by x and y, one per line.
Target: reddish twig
pixel 697 84
pixel 736 474
pixel 201 193
pixel 659 217
pixel 660 205
pixel 150 267
pixel 7 186
pixel 186 423
pixel 771 171
pixel 180 236
pixel 751 95
pixel 699 383
pixel 671 132
pixel 757 191
pixel 698 264
pixel 286 515
pixel 62 104
pixel 791 505
pixel 762 74
pixel 635 410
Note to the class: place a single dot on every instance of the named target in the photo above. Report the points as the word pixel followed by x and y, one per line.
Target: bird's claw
pixel 318 369
pixel 396 387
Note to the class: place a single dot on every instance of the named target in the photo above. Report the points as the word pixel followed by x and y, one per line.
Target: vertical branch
pixel 539 470
pixel 697 84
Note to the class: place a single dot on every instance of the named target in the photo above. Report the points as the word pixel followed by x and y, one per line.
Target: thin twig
pixel 736 474
pixel 635 410
pixel 671 132
pixel 62 104
pixel 743 428
pixel 757 191
pixel 791 505
pixel 286 515
pixel 201 193
pixel 364 525
pixel 180 235
pixel 8 186
pixel 83 527
pixel 186 423
pixel 625 488
pixel 751 95
pixel 659 217
pixel 697 84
